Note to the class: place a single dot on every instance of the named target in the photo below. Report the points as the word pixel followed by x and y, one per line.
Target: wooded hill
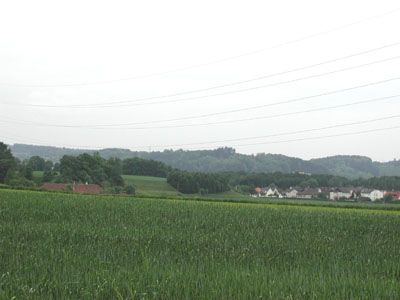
pixel 227 160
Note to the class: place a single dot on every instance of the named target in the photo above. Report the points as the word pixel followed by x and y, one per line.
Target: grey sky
pixel 66 53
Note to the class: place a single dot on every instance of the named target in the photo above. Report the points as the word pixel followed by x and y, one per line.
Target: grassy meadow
pixel 148 186
pixel 66 246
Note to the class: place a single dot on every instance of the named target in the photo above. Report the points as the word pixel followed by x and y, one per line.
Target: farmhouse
pixel 86 188
pixel 342 193
pixel 54 186
pixel 372 194
pixel 77 188
pixel 309 193
pixel 395 195
pixel 291 193
pixel 270 191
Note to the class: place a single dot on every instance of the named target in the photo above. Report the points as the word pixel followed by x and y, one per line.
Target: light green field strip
pixel 227 202
pixel 287 206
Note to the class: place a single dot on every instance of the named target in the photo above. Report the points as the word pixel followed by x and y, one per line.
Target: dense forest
pixel 227 160
pixel 195 182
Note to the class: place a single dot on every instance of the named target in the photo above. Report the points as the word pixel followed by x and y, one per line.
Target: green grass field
pixel 66 246
pixel 147 186
pixel 151 186
pixel 38 174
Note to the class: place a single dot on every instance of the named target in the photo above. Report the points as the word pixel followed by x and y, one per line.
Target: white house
pixel 372 194
pixel 341 193
pixel 270 191
pixel 291 193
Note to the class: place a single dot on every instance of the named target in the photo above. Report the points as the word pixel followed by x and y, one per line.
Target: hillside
pixel 151 186
pixel 226 159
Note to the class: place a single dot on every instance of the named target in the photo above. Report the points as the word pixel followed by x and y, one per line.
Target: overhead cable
pixel 130 102
pixel 304 38
pixel 253 118
pixel 288 133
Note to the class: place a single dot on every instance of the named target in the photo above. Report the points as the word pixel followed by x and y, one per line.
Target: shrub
pixel 21 182
pixel 130 189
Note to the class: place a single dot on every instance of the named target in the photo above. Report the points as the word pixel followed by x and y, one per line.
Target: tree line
pixel 93 168
pixel 249 181
pixel 195 182
pixel 225 159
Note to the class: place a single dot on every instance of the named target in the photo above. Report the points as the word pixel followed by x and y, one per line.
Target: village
pixel 323 193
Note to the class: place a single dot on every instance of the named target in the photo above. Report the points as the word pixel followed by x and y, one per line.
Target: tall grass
pixel 61 246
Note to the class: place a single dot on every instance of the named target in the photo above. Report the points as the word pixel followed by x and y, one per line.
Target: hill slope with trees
pixel 227 160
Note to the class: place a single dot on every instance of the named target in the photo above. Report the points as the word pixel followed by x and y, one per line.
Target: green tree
pixel 48 165
pixel 37 163
pixel 388 198
pixel 27 173
pixel 49 175
pixel 11 175
pixel 130 189
pixel 7 161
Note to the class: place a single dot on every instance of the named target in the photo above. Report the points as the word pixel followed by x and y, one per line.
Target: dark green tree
pixel 27 173
pixel 388 198
pixel 130 189
pixel 49 175
pixel 7 161
pixel 36 163
pixel 48 165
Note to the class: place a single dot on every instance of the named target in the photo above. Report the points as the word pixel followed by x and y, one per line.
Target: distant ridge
pixel 226 159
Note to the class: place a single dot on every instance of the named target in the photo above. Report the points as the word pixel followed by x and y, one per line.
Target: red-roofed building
pixel 396 195
pixel 54 186
pixel 86 188
pixel 76 188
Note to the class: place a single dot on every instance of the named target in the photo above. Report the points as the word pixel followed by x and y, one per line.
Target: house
pixel 270 191
pixel 326 190
pixel 372 194
pixel 86 188
pixel 342 193
pixel 395 195
pixel 291 193
pixel 77 188
pixel 257 192
pixel 54 186
pixel 309 193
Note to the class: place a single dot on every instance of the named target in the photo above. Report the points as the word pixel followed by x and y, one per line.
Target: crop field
pixel 67 246
pixel 151 186
pixel 147 186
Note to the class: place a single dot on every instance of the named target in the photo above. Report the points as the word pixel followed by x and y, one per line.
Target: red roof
pixel 86 188
pixel 54 186
pixel 396 195
pixel 76 188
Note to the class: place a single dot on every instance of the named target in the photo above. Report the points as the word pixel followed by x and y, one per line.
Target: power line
pixel 22 122
pixel 272 116
pixel 304 38
pixel 282 134
pixel 130 102
pixel 280 102
pixel 313 138
pixel 291 100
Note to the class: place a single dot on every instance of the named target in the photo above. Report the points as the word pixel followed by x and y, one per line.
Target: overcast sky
pixel 154 75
